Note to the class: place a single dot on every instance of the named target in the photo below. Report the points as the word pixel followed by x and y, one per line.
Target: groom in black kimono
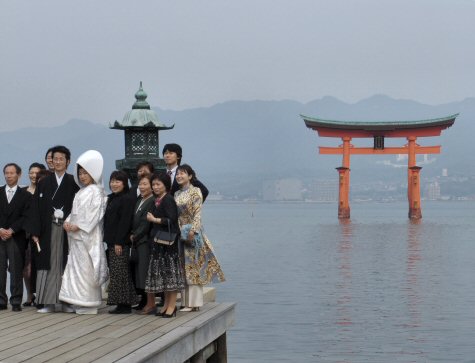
pixel 51 204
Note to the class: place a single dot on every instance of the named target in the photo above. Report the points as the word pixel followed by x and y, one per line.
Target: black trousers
pixel 12 258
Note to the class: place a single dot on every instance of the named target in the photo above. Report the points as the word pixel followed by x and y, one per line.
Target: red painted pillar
pixel 343 195
pixel 415 187
pixel 411 162
pixel 344 181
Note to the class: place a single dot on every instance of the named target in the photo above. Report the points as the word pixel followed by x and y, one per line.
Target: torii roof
pixel 378 126
pixel 318 123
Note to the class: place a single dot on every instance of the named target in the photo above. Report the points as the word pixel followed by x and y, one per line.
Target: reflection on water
pixel 343 286
pixel 378 288
pixel 412 266
pixel 344 272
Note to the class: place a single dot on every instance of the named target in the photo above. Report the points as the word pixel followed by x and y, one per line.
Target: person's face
pixel 84 177
pixel 145 188
pixel 182 178
pixel 59 162
pixel 158 187
pixel 11 176
pixel 116 186
pixel 49 160
pixel 33 174
pixel 143 171
pixel 171 158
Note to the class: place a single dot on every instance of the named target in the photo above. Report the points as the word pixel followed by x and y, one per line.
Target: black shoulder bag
pixel 165 237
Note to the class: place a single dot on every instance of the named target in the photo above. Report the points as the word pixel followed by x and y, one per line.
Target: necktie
pixel 169 173
pixel 10 195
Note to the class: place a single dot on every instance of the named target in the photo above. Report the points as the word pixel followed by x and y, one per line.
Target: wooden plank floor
pixel 28 336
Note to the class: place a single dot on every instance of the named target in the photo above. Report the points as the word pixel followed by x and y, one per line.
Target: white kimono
pixel 86 269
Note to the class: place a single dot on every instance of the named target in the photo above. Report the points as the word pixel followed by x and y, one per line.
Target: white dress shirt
pixel 10 192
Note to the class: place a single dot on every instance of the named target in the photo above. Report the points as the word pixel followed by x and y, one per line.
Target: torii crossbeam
pixel 411 130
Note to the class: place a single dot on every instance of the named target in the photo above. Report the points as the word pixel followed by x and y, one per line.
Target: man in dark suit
pixel 172 154
pixel 51 204
pixel 14 202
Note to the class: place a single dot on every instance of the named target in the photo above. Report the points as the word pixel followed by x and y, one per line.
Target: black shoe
pixel 3 306
pixel 16 307
pixel 121 309
pixel 152 311
pixel 141 305
pixel 160 313
pixel 30 303
pixel 165 315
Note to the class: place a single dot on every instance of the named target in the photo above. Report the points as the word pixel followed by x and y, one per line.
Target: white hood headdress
pixel 93 163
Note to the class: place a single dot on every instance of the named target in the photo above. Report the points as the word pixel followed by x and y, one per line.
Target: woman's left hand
pixel 191 236
pixel 68 227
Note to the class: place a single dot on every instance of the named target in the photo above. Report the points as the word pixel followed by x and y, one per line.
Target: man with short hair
pixel 52 203
pixel 172 154
pixel 14 202
pixel 49 159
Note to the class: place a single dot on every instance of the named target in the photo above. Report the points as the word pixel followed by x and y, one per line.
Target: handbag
pixel 166 238
pixel 133 254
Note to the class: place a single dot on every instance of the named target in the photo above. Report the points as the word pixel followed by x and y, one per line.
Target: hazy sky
pixel 84 59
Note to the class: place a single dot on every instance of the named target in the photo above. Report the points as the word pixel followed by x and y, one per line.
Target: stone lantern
pixel 141 128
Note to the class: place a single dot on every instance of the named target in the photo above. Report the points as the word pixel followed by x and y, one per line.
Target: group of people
pixel 66 238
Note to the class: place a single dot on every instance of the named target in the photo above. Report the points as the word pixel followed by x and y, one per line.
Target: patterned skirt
pixel 165 272
pixel 121 286
pixel 201 265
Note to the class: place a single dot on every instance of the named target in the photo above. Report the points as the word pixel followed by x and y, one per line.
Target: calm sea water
pixel 376 289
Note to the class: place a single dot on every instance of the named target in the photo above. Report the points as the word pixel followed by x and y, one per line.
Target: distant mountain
pixel 268 139
pixel 238 144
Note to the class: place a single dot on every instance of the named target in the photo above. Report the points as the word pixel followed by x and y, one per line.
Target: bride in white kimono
pixel 86 269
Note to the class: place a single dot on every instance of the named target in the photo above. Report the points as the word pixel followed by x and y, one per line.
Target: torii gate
pixel 411 130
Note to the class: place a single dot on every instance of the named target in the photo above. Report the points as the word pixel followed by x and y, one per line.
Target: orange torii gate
pixel 411 130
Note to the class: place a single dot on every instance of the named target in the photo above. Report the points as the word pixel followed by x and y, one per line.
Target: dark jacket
pixel 47 197
pixel 118 219
pixel 140 225
pixel 14 214
pixel 167 211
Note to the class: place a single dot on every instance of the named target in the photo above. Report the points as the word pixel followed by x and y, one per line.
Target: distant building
pixel 215 197
pixel 282 190
pixel 323 191
pixel 432 191
pixel 445 172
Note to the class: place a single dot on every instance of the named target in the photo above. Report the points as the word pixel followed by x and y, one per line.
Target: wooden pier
pixel 28 336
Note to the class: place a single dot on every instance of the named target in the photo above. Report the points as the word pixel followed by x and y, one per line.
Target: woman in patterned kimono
pixel 201 265
pixel 86 269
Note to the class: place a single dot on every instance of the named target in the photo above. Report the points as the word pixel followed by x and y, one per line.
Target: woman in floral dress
pixel 201 265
